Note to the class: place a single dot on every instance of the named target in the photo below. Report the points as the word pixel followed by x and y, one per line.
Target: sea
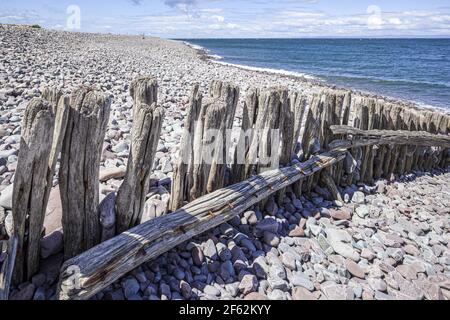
pixel 416 70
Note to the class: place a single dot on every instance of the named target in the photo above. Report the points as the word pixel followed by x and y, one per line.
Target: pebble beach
pixel 385 241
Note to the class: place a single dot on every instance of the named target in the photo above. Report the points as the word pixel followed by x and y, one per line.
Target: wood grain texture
pixel 398 137
pixel 210 152
pixel 79 172
pixel 143 89
pixel 132 193
pixel 272 107
pixel 30 185
pixel 249 116
pixel 182 175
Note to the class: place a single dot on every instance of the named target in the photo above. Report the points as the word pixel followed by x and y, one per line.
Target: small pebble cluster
pixel 385 242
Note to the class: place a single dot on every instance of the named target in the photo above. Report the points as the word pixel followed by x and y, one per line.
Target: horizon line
pixel 245 37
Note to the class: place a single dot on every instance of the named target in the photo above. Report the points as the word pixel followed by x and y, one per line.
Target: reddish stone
pixel 341 214
pixel 354 269
pixel 255 296
pixel 303 294
pixel 407 272
pixel 297 232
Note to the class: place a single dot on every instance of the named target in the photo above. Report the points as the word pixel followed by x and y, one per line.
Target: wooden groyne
pixel 333 139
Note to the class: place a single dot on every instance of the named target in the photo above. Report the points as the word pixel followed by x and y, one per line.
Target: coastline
pixel 205 55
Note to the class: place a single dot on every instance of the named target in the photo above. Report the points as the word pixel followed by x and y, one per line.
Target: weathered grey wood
pixel 210 139
pixel 196 187
pixel 382 150
pixel 300 103
pixel 343 102
pixel 291 133
pixel 214 136
pixel 272 107
pixel 328 181
pixel 249 116
pixel 363 123
pixel 107 262
pixel 143 90
pixel 182 176
pixel 60 105
pixel 79 172
pixel 7 269
pixel 108 218
pixel 400 137
pixel 287 140
pixel 230 93
pixel 30 183
pixel 326 109
pixel 310 141
pixel 396 118
pixel 132 193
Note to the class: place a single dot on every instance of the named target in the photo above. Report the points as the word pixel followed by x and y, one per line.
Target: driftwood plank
pixel 399 137
pixel 110 260
pixel 79 172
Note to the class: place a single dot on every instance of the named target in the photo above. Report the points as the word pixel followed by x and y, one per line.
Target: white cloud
pixel 218 18
pixel 189 19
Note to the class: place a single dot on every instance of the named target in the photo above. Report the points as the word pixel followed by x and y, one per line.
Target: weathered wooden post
pixel 143 89
pixel 332 113
pixel 310 142
pixel 79 171
pixel 30 185
pixel 326 109
pixel 395 117
pixel 249 116
pixel 272 107
pixel 43 125
pixel 381 152
pixel 209 148
pixel 298 103
pixel 291 131
pixel 343 103
pixel 147 124
pixel 210 143
pixel 182 176
pixel 60 105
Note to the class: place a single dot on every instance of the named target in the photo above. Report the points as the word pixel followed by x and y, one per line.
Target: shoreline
pixel 204 54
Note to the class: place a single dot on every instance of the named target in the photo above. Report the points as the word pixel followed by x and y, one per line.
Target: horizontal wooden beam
pixel 360 138
pixel 89 273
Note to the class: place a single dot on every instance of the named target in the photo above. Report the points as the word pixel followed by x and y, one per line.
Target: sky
pixel 237 18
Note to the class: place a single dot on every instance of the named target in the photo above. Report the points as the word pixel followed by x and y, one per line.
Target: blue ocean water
pixel 413 69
